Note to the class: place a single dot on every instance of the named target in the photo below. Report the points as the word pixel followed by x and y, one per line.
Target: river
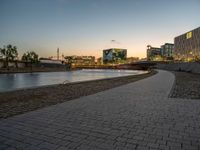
pixel 10 82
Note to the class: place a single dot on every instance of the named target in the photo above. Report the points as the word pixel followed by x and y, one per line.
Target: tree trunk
pixel 31 67
pixel 16 64
pixel 4 64
pixel 7 64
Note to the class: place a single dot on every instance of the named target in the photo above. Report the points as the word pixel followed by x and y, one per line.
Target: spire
pixel 58 53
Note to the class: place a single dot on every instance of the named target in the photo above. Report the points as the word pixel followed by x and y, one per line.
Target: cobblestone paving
pixel 187 85
pixel 136 116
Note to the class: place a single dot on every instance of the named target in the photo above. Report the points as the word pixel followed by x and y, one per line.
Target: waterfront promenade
pixel 138 116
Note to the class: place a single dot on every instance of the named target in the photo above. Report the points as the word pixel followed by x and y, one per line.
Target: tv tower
pixel 58 53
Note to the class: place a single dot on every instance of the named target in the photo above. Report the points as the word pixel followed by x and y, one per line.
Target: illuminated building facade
pixel 99 61
pixel 80 60
pixel 130 60
pixel 153 53
pixel 187 46
pixel 164 53
pixel 114 55
pixel 167 51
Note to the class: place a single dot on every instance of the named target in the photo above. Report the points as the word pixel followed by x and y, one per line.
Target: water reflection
pixel 26 80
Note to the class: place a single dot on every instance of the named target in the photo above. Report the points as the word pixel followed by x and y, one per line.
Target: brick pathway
pixel 136 116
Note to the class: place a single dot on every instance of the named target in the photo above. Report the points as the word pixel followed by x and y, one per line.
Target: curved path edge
pixel 136 116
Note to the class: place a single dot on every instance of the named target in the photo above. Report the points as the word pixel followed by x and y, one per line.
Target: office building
pixel 187 46
pixel 130 60
pixel 80 60
pixel 167 51
pixel 153 53
pixel 99 61
pixel 164 53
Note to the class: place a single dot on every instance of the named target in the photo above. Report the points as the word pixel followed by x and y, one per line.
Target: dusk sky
pixel 86 27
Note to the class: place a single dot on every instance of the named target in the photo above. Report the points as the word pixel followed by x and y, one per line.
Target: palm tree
pixel 9 53
pixel 30 57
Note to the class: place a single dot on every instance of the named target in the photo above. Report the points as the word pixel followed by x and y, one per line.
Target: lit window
pixel 189 35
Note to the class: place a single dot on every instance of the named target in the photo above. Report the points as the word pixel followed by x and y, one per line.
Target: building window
pixel 189 35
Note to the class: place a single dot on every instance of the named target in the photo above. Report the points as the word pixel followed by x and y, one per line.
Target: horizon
pixel 86 28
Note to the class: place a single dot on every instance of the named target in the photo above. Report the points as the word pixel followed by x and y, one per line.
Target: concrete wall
pixel 45 61
pixel 49 65
pixel 23 65
pixel 193 67
pixel 12 64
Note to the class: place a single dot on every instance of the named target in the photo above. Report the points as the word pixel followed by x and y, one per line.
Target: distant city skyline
pixel 87 27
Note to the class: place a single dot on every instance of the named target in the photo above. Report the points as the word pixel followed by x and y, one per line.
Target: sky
pixel 86 27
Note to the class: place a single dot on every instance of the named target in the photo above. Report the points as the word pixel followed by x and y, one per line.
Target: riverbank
pixel 21 101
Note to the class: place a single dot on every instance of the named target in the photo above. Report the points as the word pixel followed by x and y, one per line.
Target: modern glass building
pixel 114 55
pixel 167 51
pixel 187 46
pixel 153 53
pixel 164 53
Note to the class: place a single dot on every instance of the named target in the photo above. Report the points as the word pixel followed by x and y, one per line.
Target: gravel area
pixel 187 86
pixel 21 101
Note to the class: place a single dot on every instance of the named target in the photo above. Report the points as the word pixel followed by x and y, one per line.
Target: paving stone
pixel 142 148
pixel 32 147
pixel 138 115
pixel 3 146
pixel 11 148
pixel 46 145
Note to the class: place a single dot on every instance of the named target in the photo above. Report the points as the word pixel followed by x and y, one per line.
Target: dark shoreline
pixel 25 100
pixel 35 70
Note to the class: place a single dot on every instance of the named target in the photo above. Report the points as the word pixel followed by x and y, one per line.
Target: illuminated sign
pixel 189 35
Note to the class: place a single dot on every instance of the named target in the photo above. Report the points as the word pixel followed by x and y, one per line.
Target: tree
pixel 9 53
pixel 30 57
pixel 69 61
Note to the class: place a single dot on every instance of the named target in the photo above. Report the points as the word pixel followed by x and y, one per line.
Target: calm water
pixel 16 81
